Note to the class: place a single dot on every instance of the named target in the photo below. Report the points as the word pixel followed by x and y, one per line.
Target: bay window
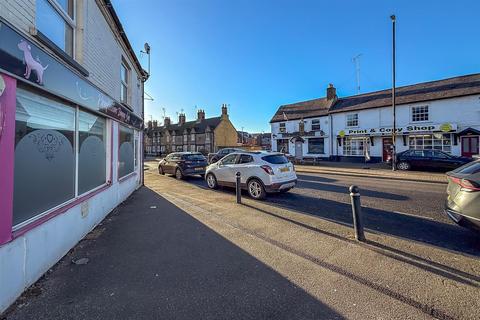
pixel 60 153
pixel 56 20
pixel 353 146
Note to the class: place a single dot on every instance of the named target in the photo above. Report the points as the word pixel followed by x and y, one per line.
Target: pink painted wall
pixel 7 138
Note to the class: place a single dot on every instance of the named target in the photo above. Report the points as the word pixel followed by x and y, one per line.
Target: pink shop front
pixel 63 142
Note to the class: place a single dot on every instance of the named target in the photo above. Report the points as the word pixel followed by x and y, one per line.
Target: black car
pixel 214 157
pixel 182 164
pixel 433 159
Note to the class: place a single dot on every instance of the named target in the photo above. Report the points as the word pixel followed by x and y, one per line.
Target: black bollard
pixel 357 213
pixel 238 189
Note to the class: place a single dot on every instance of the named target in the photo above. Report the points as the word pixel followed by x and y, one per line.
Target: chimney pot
pixel 166 122
pixel 181 118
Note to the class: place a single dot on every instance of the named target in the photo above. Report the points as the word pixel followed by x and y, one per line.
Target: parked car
pixel 463 195
pixel 214 157
pixel 261 173
pixel 433 159
pixel 182 164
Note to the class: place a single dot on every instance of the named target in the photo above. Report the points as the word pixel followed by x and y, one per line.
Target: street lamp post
pixel 394 133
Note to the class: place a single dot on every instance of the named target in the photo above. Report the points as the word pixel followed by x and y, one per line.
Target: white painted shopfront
pixel 440 115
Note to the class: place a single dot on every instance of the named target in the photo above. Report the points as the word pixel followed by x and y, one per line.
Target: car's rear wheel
pixel 178 174
pixel 403 166
pixel 212 181
pixel 256 190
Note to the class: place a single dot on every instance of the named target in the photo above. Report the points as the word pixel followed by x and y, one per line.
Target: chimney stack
pixel 149 124
pixel 200 115
pixel 181 118
pixel 331 92
pixel 166 121
pixel 224 111
pixel 155 124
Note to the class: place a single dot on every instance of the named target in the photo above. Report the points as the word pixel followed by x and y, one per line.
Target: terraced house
pixel 202 135
pixel 437 115
pixel 71 123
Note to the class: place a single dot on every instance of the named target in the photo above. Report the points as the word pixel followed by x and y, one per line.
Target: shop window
pixel 124 72
pixel 315 125
pixel 352 120
pixel 44 174
pixel 135 151
pixel 419 113
pixel 282 145
pixel 436 141
pixel 316 145
pixel 92 157
pixel 55 19
pixel 354 146
pixel 126 157
pixel 282 127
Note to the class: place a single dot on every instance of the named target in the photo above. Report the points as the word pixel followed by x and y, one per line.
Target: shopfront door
pixel 298 150
pixel 387 148
pixel 470 146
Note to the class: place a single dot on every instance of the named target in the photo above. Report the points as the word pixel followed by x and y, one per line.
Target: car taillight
pixel 268 170
pixel 465 184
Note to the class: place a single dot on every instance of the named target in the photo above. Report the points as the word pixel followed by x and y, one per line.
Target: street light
pixel 394 142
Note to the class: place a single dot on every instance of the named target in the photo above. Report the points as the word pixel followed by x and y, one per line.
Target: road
pixel 406 209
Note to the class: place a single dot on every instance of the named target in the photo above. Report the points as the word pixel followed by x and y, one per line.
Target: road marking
pixel 414 215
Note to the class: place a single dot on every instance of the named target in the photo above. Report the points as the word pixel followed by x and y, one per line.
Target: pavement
pixel 176 250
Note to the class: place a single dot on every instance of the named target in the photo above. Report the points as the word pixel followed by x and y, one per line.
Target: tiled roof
pixel 433 90
pixel 199 126
pixel 426 91
pixel 305 109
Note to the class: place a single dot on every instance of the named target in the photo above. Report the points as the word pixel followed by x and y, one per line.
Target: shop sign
pixel 21 57
pixel 444 127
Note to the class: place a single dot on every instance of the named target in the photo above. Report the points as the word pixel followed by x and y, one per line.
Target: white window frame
pixel 347 120
pixel 125 83
pixel 72 22
pixel 413 113
pixel 282 127
pixel 347 146
pixel 312 124
pixel 432 138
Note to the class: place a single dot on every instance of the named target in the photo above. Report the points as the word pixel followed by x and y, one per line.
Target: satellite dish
pixel 147 47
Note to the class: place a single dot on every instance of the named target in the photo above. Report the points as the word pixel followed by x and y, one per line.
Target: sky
pixel 256 55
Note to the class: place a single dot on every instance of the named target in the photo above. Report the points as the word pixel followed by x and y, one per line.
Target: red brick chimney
pixel 331 92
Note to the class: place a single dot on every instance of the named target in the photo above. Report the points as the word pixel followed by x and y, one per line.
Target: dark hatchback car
pixel 182 164
pixel 214 157
pixel 431 159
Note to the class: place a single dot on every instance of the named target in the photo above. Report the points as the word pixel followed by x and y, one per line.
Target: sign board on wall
pixel 443 127
pixel 23 58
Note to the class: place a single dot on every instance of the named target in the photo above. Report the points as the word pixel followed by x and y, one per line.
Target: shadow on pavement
pixel 314 182
pixel 154 261
pixel 447 236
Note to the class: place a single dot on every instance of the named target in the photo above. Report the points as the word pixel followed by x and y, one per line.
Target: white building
pixel 441 115
pixel 71 118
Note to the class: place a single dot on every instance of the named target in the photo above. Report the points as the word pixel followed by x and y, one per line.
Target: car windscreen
pixel 194 157
pixel 275 159
pixel 471 168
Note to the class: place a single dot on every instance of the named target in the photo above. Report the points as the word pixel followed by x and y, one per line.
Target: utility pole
pixel 356 61
pixel 394 133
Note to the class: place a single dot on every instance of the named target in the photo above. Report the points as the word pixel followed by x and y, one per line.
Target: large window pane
pixel 316 145
pixel 52 24
pixel 125 152
pixel 92 152
pixel 44 155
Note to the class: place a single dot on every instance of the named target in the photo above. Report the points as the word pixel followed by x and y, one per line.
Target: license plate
pixel 199 169
pixel 286 169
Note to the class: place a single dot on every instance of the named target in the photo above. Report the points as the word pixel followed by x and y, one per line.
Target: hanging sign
pixel 23 58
